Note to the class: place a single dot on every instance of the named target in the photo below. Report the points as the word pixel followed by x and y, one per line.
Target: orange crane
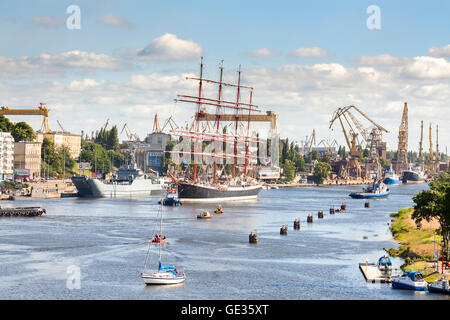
pixel 42 110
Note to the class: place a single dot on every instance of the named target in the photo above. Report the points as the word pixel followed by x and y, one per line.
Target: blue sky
pixel 229 30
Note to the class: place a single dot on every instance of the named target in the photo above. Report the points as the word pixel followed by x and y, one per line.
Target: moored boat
pixel 410 280
pixel 412 177
pixel 377 190
pixel 391 178
pixel 385 265
pixel 440 286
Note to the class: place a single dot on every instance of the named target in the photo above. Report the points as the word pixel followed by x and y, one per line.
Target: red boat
pixel 159 239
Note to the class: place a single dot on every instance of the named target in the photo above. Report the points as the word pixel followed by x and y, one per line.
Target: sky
pixel 129 59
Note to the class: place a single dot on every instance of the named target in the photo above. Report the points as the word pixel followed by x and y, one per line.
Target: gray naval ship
pixel 129 181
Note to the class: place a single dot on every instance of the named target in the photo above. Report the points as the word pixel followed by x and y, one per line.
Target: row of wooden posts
pixel 253 237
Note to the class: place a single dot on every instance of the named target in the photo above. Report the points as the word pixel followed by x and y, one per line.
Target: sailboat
pixel 164 274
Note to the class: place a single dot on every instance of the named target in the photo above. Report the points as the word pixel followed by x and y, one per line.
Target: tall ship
pixel 128 181
pixel 216 181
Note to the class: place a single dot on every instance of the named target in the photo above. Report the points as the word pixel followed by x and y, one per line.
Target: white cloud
pixel 170 47
pixel 427 68
pixel 440 52
pixel 47 65
pixel 261 53
pixel 314 52
pixel 47 21
pixel 114 20
pixel 382 59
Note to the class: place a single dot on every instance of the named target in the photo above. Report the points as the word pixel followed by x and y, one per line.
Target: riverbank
pixel 416 244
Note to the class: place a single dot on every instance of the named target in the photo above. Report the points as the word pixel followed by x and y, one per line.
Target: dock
pixel 373 274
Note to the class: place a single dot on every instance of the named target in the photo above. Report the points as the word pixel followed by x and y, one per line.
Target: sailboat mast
pixel 237 121
pixel 160 230
pixel 198 110
pixel 248 135
pixel 218 117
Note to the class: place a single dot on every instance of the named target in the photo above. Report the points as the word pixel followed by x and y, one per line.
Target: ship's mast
pixel 218 117
pixel 237 121
pixel 216 137
pixel 196 120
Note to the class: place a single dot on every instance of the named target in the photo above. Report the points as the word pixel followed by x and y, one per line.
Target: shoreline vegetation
pixel 416 244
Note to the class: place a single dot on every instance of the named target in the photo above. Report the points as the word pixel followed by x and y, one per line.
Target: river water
pixel 106 240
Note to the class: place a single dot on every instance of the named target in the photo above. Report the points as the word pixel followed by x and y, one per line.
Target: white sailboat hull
pixel 160 278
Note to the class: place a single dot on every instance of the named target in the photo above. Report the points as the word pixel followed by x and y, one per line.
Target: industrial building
pixel 27 159
pixel 6 155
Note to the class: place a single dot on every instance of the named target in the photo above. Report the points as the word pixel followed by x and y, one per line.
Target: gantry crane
pixel 372 136
pixel 42 110
pixel 328 145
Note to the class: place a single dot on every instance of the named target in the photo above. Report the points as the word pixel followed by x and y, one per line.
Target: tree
pixel 435 203
pixel 289 170
pixel 21 131
pixel 5 124
pixel 321 172
pixel 56 160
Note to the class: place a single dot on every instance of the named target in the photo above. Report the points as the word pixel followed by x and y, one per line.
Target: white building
pixel 6 155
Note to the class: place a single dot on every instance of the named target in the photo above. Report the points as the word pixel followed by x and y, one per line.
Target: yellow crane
pixel 131 136
pixel 42 110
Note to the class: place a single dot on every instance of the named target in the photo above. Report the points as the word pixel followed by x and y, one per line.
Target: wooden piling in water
pixel 297 224
pixel 320 214
pixel 309 219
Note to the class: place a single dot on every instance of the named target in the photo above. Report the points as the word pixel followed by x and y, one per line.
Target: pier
pixel 372 274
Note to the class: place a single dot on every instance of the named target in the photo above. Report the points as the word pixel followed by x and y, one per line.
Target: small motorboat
pixel 159 239
pixel 377 190
pixel 385 265
pixel 171 199
pixel 410 280
pixel 440 286
pixel 204 215
pixel 218 210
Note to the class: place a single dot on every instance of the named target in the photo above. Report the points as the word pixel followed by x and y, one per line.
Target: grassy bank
pixel 416 243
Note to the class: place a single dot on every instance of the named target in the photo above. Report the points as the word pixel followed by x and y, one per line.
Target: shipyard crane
pixel 431 156
pixel 132 137
pixel 59 124
pixel 41 110
pixel 328 145
pixel 312 141
pixel 371 136
pixel 437 157
pixel 171 123
pixel 105 126
pixel 420 161
pixel 402 163
pixel 156 128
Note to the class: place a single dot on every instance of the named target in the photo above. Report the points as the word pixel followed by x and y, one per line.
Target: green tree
pixel 21 131
pixel 289 170
pixel 321 172
pixel 435 203
pixel 97 156
pixel 5 124
pixel 56 160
